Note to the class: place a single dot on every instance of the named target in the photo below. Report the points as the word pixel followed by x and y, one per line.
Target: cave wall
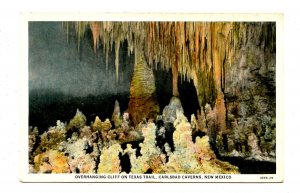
pixel 249 87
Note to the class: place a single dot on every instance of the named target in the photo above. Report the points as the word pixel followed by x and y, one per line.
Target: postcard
pixel 151 97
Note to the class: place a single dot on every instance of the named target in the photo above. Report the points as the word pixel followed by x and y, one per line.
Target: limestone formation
pixel 142 103
pixel 32 138
pixel 116 116
pixel 82 155
pixel 169 112
pixel 152 158
pixel 97 149
pixel 98 125
pixel 109 160
pixel 78 121
pixel 201 158
pixel 51 161
pixel 50 140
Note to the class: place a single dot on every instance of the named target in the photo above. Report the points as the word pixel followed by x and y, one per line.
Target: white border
pixel 23 82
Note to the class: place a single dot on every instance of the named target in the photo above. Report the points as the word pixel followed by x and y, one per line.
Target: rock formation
pixel 201 158
pixel 97 148
pixel 249 88
pixel 169 112
pixel 142 103
pixel 109 159
pixel 77 122
pixel 116 116
pixel 51 161
pixel 152 158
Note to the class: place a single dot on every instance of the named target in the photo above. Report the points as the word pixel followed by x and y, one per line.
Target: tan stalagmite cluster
pixel 51 161
pixel 109 159
pixel 152 158
pixel 90 151
pixel 201 159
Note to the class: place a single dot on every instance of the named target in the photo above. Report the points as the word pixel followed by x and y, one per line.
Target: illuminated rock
pixel 78 121
pixel 101 126
pixel 109 159
pixel 51 161
pixel 82 155
pixel 152 158
pixel 142 102
pixel 201 159
pixel 169 112
pixel 116 116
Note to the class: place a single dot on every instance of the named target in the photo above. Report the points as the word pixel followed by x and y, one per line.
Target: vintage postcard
pixel 151 97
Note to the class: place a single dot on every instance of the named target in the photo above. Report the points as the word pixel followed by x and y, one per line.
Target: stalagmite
pixel 142 102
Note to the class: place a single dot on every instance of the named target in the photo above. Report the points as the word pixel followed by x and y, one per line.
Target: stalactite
pixel 117 48
pixel 95 27
pixel 198 51
pixel 80 30
pixel 106 57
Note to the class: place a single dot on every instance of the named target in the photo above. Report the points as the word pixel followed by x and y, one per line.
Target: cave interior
pixel 221 75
